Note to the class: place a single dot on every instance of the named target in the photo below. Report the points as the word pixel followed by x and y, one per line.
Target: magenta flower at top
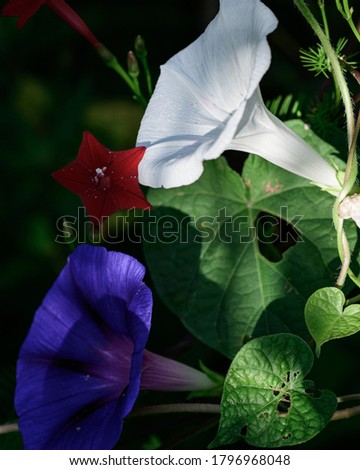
pixel 25 9
pixel 83 362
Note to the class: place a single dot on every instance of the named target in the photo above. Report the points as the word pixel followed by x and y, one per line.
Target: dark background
pixel 53 87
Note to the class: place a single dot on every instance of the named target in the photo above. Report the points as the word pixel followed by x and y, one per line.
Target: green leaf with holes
pixel 266 400
pixel 326 317
pixel 235 255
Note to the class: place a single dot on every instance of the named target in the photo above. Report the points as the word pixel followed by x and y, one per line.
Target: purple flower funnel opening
pixel 79 369
pixel 84 361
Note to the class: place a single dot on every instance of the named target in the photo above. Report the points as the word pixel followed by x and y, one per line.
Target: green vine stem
pixel 343 249
pixel 351 166
pixel 7 428
pixel 216 409
pixel 346 12
pixel 353 300
pixel 111 61
pixel 345 398
pixel 344 252
pixel 349 181
pixel 345 255
pixel 206 408
pixel 335 66
pixel 141 52
pixel 346 413
pixel 340 8
pixel 352 133
pixel 321 4
pixel 177 408
pixel 133 70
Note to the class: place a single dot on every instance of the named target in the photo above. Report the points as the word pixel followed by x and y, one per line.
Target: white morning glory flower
pixel 208 100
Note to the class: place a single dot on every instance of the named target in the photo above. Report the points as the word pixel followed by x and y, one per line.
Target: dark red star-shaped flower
pixel 106 181
pixel 25 9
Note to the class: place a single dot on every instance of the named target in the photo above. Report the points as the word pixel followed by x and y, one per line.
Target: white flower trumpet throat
pixel 207 100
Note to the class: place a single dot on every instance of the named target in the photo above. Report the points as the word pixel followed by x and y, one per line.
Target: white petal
pixel 262 133
pixel 200 96
pixel 177 160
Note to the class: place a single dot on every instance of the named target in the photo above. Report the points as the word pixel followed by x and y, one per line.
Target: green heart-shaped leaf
pixel 215 266
pixel 265 399
pixel 326 319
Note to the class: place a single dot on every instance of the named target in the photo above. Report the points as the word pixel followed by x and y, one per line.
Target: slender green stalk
pixel 340 8
pixel 206 408
pixel 141 53
pixel 352 397
pixel 335 66
pixel 114 64
pixel 349 181
pixel 6 428
pixel 134 72
pixel 144 63
pixel 353 300
pixel 321 4
pixel 351 166
pixel 137 88
pixel 138 93
pixel 344 251
pixel 352 133
pixel 337 96
pixel 111 61
pixel 354 278
pixel 346 12
pixel 177 408
pixel 346 413
pixel 215 409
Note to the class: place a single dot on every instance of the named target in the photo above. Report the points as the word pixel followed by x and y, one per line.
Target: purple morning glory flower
pixel 83 362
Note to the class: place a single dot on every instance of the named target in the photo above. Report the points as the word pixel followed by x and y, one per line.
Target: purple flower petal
pixel 64 409
pixel 112 282
pixel 80 365
pixel 162 373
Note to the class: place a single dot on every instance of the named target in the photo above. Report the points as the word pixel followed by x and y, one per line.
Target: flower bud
pixel 133 66
pixel 140 48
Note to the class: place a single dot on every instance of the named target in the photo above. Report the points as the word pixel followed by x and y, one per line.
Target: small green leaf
pixel 286 107
pixel 266 401
pixel 326 319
